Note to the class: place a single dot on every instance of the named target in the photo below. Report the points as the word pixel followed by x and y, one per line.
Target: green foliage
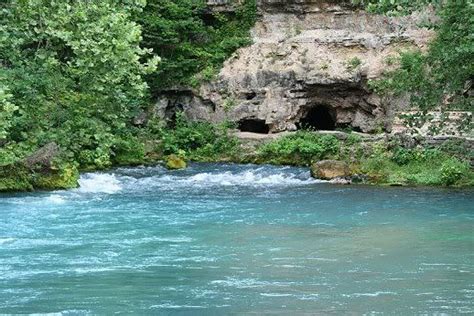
pixel 197 141
pixel 384 162
pixel 65 177
pixel 452 170
pixel 192 41
pixel 459 148
pixel 300 148
pixel 439 77
pixel 19 177
pixel 7 109
pixel 402 156
pixel 74 72
pixel 353 63
pixel 415 166
pixel 229 104
pixel 394 7
pixel 128 151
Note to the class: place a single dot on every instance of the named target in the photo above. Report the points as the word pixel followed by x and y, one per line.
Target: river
pixel 235 239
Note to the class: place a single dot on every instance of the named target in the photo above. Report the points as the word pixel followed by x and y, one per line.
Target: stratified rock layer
pixel 309 65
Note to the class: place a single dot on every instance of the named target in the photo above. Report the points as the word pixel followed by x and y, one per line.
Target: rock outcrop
pixel 309 65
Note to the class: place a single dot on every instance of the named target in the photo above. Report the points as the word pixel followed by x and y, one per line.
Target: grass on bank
pixel 384 162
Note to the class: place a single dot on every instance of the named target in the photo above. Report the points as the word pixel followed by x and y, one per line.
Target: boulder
pixel 330 169
pixel 43 157
pixel 174 162
pixel 42 170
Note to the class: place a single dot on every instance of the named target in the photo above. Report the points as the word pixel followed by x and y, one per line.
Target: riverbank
pixel 383 159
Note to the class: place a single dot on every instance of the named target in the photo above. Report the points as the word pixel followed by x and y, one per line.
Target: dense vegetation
pixel 383 162
pixel 395 7
pixel 443 76
pixel 192 41
pixel 73 72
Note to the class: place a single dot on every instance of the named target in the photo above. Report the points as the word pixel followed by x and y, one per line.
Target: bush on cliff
pixel 443 76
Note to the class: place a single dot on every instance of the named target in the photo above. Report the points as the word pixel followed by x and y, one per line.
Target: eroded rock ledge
pixel 309 65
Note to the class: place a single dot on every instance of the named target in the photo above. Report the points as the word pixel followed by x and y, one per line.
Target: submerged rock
pixel 330 169
pixel 41 170
pixel 175 162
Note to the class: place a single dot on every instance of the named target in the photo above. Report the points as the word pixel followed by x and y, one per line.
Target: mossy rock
pixel 65 177
pixel 18 177
pixel 44 170
pixel 15 177
pixel 174 162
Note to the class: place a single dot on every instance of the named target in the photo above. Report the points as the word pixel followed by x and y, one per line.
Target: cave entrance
pixel 254 126
pixel 320 117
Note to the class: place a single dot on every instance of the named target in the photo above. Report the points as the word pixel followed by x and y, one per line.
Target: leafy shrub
pixel 74 72
pixel 452 170
pixel 301 148
pixel 128 151
pixel 197 140
pixel 353 63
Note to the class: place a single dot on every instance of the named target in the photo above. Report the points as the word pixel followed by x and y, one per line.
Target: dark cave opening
pixel 318 118
pixel 254 126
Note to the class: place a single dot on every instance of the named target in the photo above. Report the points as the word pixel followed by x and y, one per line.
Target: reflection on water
pixel 217 239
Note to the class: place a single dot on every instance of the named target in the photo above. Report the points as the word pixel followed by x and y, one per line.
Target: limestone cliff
pixel 309 64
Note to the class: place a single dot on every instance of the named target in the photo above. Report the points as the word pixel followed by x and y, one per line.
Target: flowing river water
pixel 231 239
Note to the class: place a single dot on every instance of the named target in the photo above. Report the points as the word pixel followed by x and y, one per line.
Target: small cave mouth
pixel 320 117
pixel 250 95
pixel 254 126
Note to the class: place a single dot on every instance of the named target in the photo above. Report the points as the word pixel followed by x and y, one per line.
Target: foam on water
pixel 56 199
pixel 250 177
pixel 148 178
pixel 99 183
pixel 7 240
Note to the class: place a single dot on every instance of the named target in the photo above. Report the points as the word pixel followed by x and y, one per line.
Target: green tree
pixel 191 39
pixel 74 70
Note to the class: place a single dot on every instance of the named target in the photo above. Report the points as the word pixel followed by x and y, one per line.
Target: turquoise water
pixel 231 239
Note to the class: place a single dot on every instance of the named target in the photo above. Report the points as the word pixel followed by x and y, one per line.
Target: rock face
pixel 309 65
pixel 330 169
